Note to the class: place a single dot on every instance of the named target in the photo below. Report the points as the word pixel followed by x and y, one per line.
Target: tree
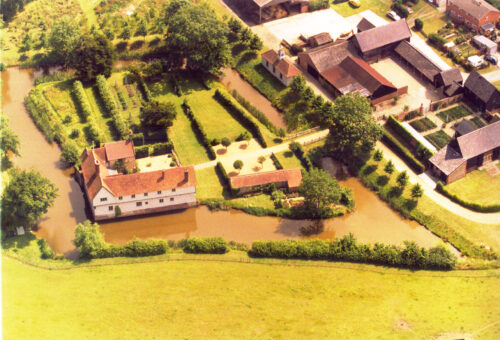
pixel 389 168
pixel 417 191
pixel 9 141
pixel 402 179
pixel 125 35
pixel 157 114
pixel 238 165
pixel 234 25
pixel 377 155
pixel 174 6
pixel 352 126
pixel 64 38
pixel 195 33
pixel 93 55
pixel 109 34
pixel 255 43
pixel 27 196
pixel 27 42
pixel 261 161
pixel 308 95
pixel 298 85
pixel 88 239
pixel 225 142
pixel 319 190
pixel 318 102
pixel 246 137
pixel 245 35
pixel 419 24
pixel 69 153
pixel 142 29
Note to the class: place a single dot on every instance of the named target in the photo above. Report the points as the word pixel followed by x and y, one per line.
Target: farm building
pixel 289 179
pixel 280 67
pixel 484 43
pixel 320 39
pixel 276 9
pixel 451 82
pixel 380 41
pixel 463 128
pixel 317 60
pixel 481 92
pixel 472 13
pixel 466 153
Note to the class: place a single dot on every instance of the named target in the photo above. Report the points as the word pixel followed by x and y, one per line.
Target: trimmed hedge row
pixel 469 205
pixel 206 245
pixel 134 248
pixel 241 116
pixel 347 249
pixel 44 117
pixel 402 152
pixel 276 162
pixel 94 134
pixel 257 114
pixel 423 153
pixel 121 98
pixel 143 87
pixel 141 151
pixel 198 129
pixel 138 139
pixel 299 151
pixel 222 173
pixel 157 149
pixel 110 105
pixel 82 100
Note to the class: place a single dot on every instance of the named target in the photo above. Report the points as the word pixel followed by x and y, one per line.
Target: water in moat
pixel 372 220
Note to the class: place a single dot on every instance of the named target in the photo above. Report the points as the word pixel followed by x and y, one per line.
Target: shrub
pixel 143 87
pixel 47 253
pixel 82 100
pixel 208 245
pixel 138 139
pixel 276 162
pixel 398 8
pixel 69 153
pixel 74 133
pixel 215 141
pixel 121 98
pixel 93 134
pixel 469 205
pixel 423 152
pixel 141 151
pixel 298 150
pixel 105 93
pixel 43 116
pixel 419 24
pixel 315 5
pixel 241 116
pixel 436 40
pixel 161 148
pixel 255 112
pixel 139 248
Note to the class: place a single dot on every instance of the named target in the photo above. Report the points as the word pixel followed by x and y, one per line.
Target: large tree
pixel 63 39
pixel 93 55
pixel 196 35
pixel 352 126
pixel 27 196
pixel 88 239
pixel 319 190
pixel 158 115
pixel 9 141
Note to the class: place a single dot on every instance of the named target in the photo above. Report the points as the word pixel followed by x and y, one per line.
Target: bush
pixel 143 87
pixel 436 40
pixel 347 249
pixel 81 100
pixel 47 253
pixel 208 245
pixel 69 153
pixel 419 24
pixel 198 129
pixel 398 8
pixel 299 151
pixel 401 151
pixel 241 116
pixel 469 205
pixel 423 153
pixel 121 97
pixel 138 139
pixel 276 162
pixel 141 151
pixel 161 148
pixel 43 116
pixel 315 5
pixel 93 134
pixel 105 94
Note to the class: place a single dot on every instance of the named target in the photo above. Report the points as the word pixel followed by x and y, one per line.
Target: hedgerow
pixel 81 100
pixel 141 151
pixel 401 151
pixel 110 105
pixel 422 152
pixel 143 87
pixel 198 129
pixel 206 245
pixel 299 151
pixel 276 162
pixel 470 205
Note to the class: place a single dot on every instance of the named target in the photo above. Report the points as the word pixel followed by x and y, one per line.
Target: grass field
pixel 209 185
pixel 439 139
pixel 199 299
pixel 477 186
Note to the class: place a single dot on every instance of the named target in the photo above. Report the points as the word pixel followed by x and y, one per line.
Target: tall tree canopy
pixel 158 115
pixel 195 33
pixel 9 141
pixel 64 38
pixel 352 126
pixel 93 55
pixel 26 198
pixel 319 190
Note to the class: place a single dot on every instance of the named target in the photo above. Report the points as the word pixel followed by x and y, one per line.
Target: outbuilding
pixel 484 43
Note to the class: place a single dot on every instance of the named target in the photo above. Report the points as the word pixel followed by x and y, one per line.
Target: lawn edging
pixel 467 204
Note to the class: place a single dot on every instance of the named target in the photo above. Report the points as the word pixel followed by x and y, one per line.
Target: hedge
pixel 256 113
pixel 423 153
pixel 347 249
pixel 299 151
pixel 47 253
pixel 141 151
pixel 161 148
pixel 222 173
pixel 143 87
pixel 110 105
pixel 138 139
pixel 121 98
pixel 241 116
pixel 94 134
pixel 134 248
pixel 207 245
pixel 402 152
pixel 467 204
pixel 81 100
pixel 198 129
pixel 276 162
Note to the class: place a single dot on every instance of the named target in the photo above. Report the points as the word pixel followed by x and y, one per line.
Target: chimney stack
pixel 186 175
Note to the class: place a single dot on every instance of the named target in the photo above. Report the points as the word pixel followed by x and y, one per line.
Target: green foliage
pixel 319 190
pixel 298 85
pixel 314 5
pixel 82 100
pixel 138 139
pixel 276 161
pixel 110 105
pixel 423 124
pixel 256 113
pixel 198 129
pixel 141 151
pixel 417 191
pixel 398 8
pixel 469 205
pixel 207 245
pixel 121 98
pixel 159 115
pixel 143 87
pixel 70 153
pixel 423 153
pixel 9 8
pixel 9 141
pixel 26 197
pixel 94 135
pixel 63 39
pixel 347 249
pixel 377 155
pixel 241 116
pixel 225 142
pixel 419 24
pixel 47 253
pixel 389 167
pixel 439 139
pixel 402 179
pixel 436 40
pixel 238 164
pixel 299 151
pixel 93 55
pixel 162 148
pixel 89 240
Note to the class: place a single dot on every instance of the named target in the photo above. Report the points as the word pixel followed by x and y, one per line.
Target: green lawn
pixel 88 9
pixel 288 160
pixel 439 139
pixel 209 185
pixel 453 113
pixel 215 300
pixel 477 186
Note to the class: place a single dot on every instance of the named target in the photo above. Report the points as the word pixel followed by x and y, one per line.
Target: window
pixel 173 190
pixel 120 198
pixel 104 199
pixel 267 63
pixel 138 204
pixel 171 199
pixel 132 196
pixel 159 192
pixel 110 208
pixel 145 194
pixel 281 76
pixel 146 203
pixel 161 200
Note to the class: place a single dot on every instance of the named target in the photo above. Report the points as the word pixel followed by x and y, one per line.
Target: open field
pixel 224 301
pixel 477 186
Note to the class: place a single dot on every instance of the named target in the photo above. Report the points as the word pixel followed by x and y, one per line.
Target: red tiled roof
pixel 270 56
pixel 93 169
pixel 364 73
pixel 292 176
pixel 142 182
pixel 119 150
pixel 287 69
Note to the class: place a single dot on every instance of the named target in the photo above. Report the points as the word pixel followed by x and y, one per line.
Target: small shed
pixel 484 43
pixel 475 61
pixel 320 39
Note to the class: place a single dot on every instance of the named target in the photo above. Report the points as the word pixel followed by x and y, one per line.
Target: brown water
pixel 372 221
pixel 233 81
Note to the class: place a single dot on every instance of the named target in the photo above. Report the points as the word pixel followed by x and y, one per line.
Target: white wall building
pixel 281 68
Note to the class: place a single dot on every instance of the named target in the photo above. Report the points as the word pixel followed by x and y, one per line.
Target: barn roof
pixel 324 57
pixel 383 35
pixel 418 60
pixel 480 87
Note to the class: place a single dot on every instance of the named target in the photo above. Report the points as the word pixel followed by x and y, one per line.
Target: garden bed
pixel 423 124
pixel 439 139
pixel 454 113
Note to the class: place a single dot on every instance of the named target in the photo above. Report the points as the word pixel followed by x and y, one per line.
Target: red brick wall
pixel 458 173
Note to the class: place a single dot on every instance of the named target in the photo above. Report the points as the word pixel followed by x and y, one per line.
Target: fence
pixel 302 133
